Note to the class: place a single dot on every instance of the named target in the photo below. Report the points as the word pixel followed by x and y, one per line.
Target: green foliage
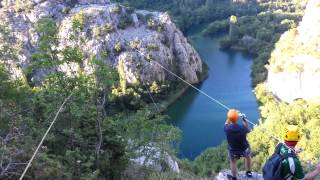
pixel 216 27
pixel 194 12
pixel 152 47
pixel 125 21
pixel 7 49
pixel 118 47
pixel 149 57
pixel 275 116
pixel 266 29
pixel 108 27
pixel 105 29
pixel 225 43
pixel 46 57
pixel 116 9
pixel 105 75
pixel 154 88
pixel 211 161
pixel 48 30
pixel 78 21
pixel 135 44
pixel 151 23
pixel 70 150
pixel 264 35
pixel 72 55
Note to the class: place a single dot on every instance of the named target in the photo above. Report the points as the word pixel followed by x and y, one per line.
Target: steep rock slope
pixel 128 40
pixel 294 69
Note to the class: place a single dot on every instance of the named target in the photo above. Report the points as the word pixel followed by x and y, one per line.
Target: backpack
pixel 272 168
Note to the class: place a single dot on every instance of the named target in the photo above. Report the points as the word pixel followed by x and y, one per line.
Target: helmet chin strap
pixel 291 143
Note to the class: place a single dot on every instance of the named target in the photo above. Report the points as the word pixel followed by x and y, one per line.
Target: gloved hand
pixel 243 116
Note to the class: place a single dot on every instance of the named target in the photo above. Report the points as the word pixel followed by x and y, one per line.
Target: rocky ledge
pixel 242 176
pixel 132 41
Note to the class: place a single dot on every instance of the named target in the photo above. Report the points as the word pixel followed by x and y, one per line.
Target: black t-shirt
pixel 236 137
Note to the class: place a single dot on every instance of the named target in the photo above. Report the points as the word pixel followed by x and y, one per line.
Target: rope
pixel 44 137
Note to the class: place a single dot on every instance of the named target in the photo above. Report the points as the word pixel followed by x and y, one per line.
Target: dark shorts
pixel 238 155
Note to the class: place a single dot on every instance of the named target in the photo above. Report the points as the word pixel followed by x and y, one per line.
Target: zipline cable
pixel 153 101
pixel 211 98
pixel 44 137
pixel 194 87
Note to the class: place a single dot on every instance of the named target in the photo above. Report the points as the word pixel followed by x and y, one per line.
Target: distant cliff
pixel 127 39
pixel 294 69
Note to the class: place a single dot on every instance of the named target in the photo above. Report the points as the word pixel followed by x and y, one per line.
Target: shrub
pixel 108 27
pixel 225 43
pixel 135 44
pixel 216 27
pixel 152 23
pixel 152 46
pixel 116 10
pixel 78 21
pixel 125 21
pixel 118 47
pixel 105 29
pixel 149 57
pixel 72 55
pixel 154 88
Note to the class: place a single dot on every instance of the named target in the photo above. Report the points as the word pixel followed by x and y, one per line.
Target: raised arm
pixel 244 120
pixel 313 174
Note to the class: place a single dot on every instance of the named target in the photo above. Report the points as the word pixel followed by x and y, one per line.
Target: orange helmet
pixel 233 115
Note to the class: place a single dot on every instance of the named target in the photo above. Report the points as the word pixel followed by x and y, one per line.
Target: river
pixel 200 119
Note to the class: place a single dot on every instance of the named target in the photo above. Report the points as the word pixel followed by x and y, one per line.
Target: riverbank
pixel 228 81
pixel 180 91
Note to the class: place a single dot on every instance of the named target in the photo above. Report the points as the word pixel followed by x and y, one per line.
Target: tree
pixel 233 29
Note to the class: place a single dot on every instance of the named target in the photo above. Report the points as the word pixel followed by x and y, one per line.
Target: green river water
pixel 200 119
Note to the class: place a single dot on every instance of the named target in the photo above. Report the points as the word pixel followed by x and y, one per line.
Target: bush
pixel 78 21
pixel 211 161
pixel 108 27
pixel 264 34
pixel 152 46
pixel 216 27
pixel 152 24
pixel 149 57
pixel 154 88
pixel 118 47
pixel 105 29
pixel 116 9
pixel 225 43
pixel 135 44
pixel 125 21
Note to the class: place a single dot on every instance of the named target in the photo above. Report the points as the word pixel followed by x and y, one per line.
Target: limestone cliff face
pixel 294 70
pixel 132 39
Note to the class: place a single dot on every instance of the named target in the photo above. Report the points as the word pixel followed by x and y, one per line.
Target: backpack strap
pixel 286 156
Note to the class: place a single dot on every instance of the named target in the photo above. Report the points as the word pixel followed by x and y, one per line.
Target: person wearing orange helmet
pixel 238 145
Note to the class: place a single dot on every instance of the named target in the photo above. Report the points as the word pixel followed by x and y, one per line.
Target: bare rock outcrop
pixel 133 41
pixel 294 69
